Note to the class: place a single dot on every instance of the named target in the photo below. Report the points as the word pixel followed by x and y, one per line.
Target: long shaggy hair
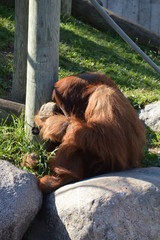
pixel 97 129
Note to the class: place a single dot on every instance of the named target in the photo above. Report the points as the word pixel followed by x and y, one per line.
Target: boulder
pixel 151 115
pixel 124 205
pixel 20 200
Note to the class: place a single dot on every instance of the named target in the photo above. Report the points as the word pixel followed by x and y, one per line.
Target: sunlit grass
pixel 83 48
pixel 14 146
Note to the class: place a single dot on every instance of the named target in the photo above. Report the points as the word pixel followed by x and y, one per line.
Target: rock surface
pixel 20 200
pixel 124 205
pixel 151 115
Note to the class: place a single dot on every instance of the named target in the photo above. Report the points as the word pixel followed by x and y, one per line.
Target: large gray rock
pixel 120 206
pixel 20 200
pixel 151 115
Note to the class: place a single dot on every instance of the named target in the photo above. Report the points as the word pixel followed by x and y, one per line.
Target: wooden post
pixel 20 51
pixel 43 55
pixel 66 7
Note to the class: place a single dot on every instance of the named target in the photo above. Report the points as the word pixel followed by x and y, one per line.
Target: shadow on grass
pixel 70 66
pixel 6 26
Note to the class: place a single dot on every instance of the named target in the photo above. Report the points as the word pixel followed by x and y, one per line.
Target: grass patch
pixel 82 48
pixel 150 159
pixel 6 26
pixel 153 141
pixel 14 145
pixel 153 138
pixel 6 49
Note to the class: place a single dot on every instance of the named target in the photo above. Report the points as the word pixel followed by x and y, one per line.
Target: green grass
pixel 82 48
pixel 14 144
pixel 6 48
pixel 153 141
pixel 85 48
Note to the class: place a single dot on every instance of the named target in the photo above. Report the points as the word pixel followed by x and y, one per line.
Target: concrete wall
pixel 143 12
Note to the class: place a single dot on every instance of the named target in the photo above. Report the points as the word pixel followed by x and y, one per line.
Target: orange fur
pixel 99 133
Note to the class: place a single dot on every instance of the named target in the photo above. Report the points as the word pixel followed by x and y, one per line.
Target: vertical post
pixel 66 7
pixel 20 51
pixel 43 56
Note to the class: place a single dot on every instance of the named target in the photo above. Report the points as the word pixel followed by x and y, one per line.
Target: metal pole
pixel 123 35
